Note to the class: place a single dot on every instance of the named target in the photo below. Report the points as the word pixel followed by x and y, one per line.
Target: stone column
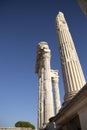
pixel 45 97
pixel 42 96
pixel 55 80
pixel 39 70
pixel 48 99
pixel 39 100
pixel 73 76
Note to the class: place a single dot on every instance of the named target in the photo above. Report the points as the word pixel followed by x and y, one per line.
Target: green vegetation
pixel 24 124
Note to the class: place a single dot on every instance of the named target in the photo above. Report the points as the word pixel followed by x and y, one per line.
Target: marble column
pixel 48 99
pixel 45 97
pixel 40 97
pixel 73 76
pixel 55 79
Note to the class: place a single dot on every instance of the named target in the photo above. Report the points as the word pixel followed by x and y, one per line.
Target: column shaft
pixel 48 99
pixel 56 95
pixel 39 102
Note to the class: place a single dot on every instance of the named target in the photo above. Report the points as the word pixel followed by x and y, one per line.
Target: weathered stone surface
pixel 45 93
pixel 73 76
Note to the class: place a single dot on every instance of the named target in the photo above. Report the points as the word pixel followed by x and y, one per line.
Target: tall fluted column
pixel 72 72
pixel 48 99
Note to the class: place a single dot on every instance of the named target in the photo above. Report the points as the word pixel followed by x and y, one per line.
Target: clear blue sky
pixel 23 24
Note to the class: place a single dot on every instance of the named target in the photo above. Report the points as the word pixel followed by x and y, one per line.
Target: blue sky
pixel 23 24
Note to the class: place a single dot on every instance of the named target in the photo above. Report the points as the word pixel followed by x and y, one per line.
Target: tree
pixel 24 124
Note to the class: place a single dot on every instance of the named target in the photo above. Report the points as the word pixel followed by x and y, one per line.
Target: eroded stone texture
pixel 71 69
pixel 45 93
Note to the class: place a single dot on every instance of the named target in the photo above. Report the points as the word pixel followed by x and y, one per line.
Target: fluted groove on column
pixel 74 78
pixel 81 72
pixel 70 76
pixel 67 75
pixel 77 74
